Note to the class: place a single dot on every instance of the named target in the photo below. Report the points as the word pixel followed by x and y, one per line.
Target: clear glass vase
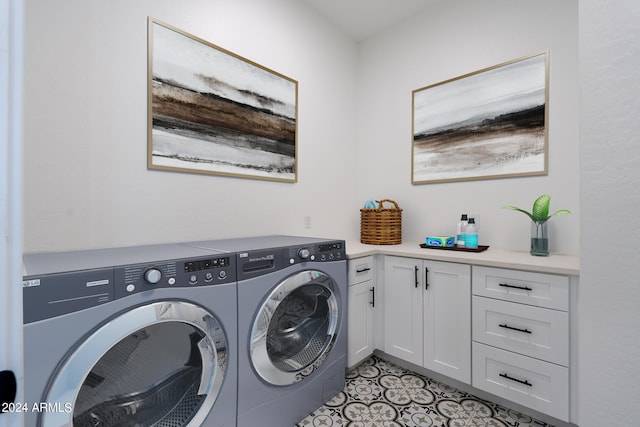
pixel 539 238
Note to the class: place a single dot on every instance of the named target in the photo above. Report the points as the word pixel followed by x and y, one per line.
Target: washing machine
pixel 292 331
pixel 140 336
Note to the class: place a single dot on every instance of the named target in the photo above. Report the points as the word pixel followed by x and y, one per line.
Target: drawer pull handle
pixel 363 270
pixel 505 285
pixel 373 297
pixel 525 382
pixel 526 331
pixel 416 274
pixel 426 278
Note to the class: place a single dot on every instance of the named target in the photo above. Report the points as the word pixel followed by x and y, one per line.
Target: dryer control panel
pixel 204 271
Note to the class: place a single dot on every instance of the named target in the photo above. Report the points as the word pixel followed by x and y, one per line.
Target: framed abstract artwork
pixel 491 123
pixel 211 111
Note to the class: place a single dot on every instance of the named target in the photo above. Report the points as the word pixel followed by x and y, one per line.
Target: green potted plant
pixel 539 216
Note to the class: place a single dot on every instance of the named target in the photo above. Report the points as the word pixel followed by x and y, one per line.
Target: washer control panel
pixel 324 252
pixel 260 262
pixel 206 271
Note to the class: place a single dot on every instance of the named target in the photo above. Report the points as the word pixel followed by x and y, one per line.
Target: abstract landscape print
pixel 491 123
pixel 214 112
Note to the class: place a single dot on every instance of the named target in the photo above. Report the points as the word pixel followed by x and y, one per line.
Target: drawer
pixel 531 331
pixel 538 385
pixel 539 289
pixel 360 270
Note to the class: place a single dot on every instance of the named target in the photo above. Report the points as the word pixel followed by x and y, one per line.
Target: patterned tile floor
pixel 380 394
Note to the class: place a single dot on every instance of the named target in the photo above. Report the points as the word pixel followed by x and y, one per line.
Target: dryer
pixel 143 336
pixel 292 325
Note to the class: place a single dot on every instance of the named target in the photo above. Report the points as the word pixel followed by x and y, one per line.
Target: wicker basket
pixel 381 226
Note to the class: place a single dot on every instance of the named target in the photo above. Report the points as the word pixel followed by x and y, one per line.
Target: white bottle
pixel 471 234
pixel 462 224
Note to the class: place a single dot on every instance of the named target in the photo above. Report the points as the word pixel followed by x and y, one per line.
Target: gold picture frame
pixel 491 123
pixel 211 111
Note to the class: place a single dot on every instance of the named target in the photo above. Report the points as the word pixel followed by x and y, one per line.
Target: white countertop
pixel 492 257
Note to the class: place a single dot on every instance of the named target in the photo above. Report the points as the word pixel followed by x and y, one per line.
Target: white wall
pixel 11 197
pixel 609 291
pixel 451 39
pixel 86 181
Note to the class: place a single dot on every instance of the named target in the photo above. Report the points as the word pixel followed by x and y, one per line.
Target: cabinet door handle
pixel 526 331
pixel 416 273
pixel 373 297
pixel 525 382
pixel 426 278
pixel 363 270
pixel 524 288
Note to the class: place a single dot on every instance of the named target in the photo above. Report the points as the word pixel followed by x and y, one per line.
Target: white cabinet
pixel 403 308
pixel 508 332
pixel 361 309
pixel 521 338
pixel 427 314
pixel 447 319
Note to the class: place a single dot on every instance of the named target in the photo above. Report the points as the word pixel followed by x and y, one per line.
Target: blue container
pixel 440 241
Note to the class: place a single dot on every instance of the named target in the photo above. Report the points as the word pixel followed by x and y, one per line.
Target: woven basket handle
pixel 380 202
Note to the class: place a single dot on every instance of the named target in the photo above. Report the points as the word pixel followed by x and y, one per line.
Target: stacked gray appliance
pixel 292 325
pixel 143 336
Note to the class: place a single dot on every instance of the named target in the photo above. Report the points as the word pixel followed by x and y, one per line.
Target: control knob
pixel 153 275
pixel 304 253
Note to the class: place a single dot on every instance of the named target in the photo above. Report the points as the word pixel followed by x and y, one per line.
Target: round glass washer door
pixel 157 365
pixel 295 328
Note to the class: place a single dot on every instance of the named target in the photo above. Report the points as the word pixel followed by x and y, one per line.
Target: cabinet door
pixel 360 326
pixel 403 308
pixel 447 319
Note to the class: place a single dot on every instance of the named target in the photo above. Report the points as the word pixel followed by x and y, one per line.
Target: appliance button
pixel 131 288
pixel 172 280
pixel 208 277
pixel 222 274
pixel 193 279
pixel 304 253
pixel 292 261
pixel 153 275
